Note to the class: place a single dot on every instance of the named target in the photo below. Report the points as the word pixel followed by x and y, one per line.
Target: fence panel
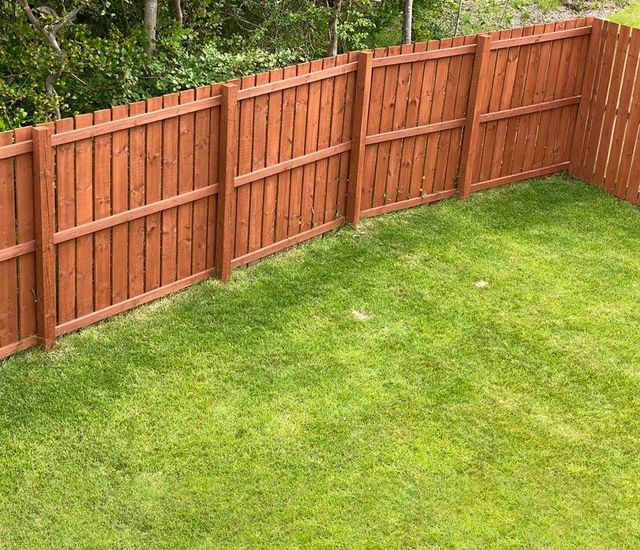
pixel 134 189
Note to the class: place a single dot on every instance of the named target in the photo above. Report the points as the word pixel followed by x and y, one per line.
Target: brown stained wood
pixel 307 213
pixel 591 69
pixel 389 103
pixel 344 161
pixel 170 141
pixel 274 123
pixel 200 180
pixel 435 164
pixel 472 128
pixel 360 123
pixel 225 231
pixel 84 172
pixel 540 37
pixel 594 128
pixel 513 127
pixel 245 148
pixel 25 226
pixel 185 184
pixel 8 268
pixel 65 212
pixel 417 185
pixel 153 193
pixel 283 192
pixel 611 107
pixel 414 57
pixel 298 149
pixel 258 157
pixel 214 176
pixel 102 209
pixel 44 207
pixel 374 120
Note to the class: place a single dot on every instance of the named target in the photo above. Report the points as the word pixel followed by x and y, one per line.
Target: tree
pixel 48 23
pixel 333 27
pixel 407 21
pixel 150 24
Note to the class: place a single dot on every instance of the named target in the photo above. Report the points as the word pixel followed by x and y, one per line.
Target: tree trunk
pixel 333 27
pixel 150 23
pixel 458 15
pixel 177 4
pixel 407 21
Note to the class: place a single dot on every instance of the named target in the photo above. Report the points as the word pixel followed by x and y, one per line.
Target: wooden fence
pixel 109 210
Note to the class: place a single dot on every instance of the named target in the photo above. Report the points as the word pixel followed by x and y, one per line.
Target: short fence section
pixel 109 210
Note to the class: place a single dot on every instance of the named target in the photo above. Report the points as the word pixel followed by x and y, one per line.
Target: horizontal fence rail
pixel 109 210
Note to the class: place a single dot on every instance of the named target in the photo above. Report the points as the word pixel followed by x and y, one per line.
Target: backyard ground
pixel 465 374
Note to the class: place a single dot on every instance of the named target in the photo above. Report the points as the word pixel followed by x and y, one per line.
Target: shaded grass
pixel 264 411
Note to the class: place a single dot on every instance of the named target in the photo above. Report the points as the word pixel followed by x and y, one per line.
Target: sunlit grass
pixel 460 375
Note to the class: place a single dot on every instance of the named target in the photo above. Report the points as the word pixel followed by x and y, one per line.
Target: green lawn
pixel 360 391
pixel 629 15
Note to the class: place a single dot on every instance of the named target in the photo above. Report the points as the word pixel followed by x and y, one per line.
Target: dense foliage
pixel 102 59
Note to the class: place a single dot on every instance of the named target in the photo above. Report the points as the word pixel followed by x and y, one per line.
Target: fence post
pixel 477 91
pixel 360 117
pixel 227 163
pixel 44 223
pixel 588 82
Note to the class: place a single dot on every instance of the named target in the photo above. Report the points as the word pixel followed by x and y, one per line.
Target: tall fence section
pixel 109 210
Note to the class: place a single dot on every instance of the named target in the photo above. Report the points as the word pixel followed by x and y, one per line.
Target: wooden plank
pixel 458 96
pixel 227 152
pixel 245 148
pixel 44 208
pixel 553 78
pixel 16 251
pixel 137 197
pixel 200 180
pixel 170 137
pixel 119 203
pixel 8 268
pixel 333 203
pixel 102 209
pixel 411 122
pixel 472 133
pixel 596 116
pixel 307 214
pixel 324 137
pixel 25 225
pixel 557 117
pixel 153 193
pixel 288 109
pixel 591 69
pixel 495 93
pixel 132 214
pixel 525 130
pixel 435 163
pixel 513 155
pixel 130 303
pixel 540 37
pixel 344 164
pixel 403 87
pixel 611 107
pixel 303 78
pixel 417 186
pixel 84 171
pixel 298 149
pixel 414 57
pixel 65 191
pixel 386 125
pixel 13 150
pixel 520 176
pixel 172 111
pixel 374 121
pixel 289 241
pixel 408 203
pixel 15 347
pixel 185 184
pixel 360 123
pixel 274 122
pixel 533 131
pixel 214 176
pixel 258 156
pixel 623 115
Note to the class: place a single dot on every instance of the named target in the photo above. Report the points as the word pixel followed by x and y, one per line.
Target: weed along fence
pixel 109 210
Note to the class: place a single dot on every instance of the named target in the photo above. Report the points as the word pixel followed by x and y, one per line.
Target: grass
pixel 360 391
pixel 629 15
